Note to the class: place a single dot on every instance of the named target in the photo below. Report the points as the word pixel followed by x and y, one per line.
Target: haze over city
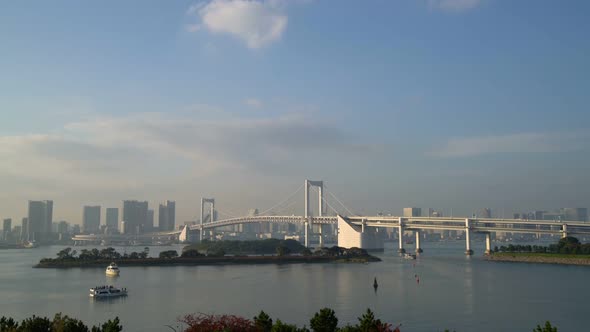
pixel 458 104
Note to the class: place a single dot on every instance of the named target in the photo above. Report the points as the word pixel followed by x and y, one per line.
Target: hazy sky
pixel 433 103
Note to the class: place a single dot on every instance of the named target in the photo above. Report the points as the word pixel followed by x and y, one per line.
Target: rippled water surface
pixel 454 292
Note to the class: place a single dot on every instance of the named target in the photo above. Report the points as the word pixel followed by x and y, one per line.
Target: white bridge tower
pixel 308 219
pixel 211 202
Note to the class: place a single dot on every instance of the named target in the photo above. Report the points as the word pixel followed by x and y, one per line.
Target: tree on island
pixel 306 252
pixel 168 254
pixel 283 251
pixel 191 253
pixel 66 253
pixel 216 252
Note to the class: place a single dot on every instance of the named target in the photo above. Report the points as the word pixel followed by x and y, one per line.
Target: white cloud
pixel 454 5
pixel 108 152
pixel 513 143
pixel 255 22
pixel 253 102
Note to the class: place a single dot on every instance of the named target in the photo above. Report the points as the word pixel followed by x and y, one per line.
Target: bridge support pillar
pixel 306 233
pixel 321 238
pixel 401 236
pixel 488 244
pixel 418 247
pixel 564 230
pixel 468 250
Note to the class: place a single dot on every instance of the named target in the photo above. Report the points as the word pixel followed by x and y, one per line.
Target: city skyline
pixel 167 210
pixel 410 103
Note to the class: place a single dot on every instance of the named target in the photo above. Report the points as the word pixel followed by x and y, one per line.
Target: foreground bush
pixel 58 324
pixel 324 320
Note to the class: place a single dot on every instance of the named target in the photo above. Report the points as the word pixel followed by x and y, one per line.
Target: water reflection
pixel 453 292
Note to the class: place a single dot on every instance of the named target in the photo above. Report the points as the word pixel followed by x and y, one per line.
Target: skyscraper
pixel 24 231
pixel 149 225
pixel 412 212
pixel 6 228
pixel 112 221
pixel 40 219
pixel 166 216
pixel 135 215
pixel 575 214
pixel 91 219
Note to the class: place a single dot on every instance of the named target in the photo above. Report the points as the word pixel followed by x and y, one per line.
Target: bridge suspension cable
pixel 225 213
pixel 330 206
pixel 281 202
pixel 285 208
pixel 337 200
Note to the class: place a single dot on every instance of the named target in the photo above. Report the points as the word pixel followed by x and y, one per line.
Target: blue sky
pixel 434 103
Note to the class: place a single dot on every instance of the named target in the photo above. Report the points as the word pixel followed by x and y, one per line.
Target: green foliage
pixel 567 245
pixel 216 252
pixel 263 322
pixel 367 321
pixel 283 250
pixel 191 253
pixel 65 253
pixel 8 324
pixel 60 323
pixel 66 324
pixel 546 328
pixel 40 324
pixel 279 326
pixel 306 252
pixel 324 321
pixel 168 254
pixel 260 247
pixel 110 326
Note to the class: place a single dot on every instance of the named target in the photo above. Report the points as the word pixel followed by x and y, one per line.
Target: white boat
pixel 112 270
pixel 409 256
pixel 30 244
pixel 107 291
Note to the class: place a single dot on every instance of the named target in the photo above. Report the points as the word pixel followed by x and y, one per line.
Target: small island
pixel 270 251
pixel 568 251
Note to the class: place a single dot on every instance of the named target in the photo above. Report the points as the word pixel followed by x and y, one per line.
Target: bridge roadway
pixel 403 224
pixel 417 224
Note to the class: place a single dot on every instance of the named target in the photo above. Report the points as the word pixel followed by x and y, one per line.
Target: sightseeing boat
pixel 112 270
pixel 107 291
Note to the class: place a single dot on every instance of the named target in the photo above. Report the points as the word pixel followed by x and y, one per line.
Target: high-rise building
pixel 412 212
pixel 40 219
pixel 6 228
pixel 166 216
pixel 76 229
pixel 135 216
pixel 112 220
pixel 91 219
pixel 24 232
pixel 575 214
pixel 63 227
pixel 149 225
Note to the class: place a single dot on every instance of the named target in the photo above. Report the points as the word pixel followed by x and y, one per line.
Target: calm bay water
pixel 455 292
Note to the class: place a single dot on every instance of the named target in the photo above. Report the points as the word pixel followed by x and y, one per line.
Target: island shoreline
pixel 538 259
pixel 195 261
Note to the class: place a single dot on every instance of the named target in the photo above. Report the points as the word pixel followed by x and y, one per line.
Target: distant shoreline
pixel 192 261
pixel 539 258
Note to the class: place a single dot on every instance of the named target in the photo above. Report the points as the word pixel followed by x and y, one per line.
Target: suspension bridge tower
pixel 308 218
